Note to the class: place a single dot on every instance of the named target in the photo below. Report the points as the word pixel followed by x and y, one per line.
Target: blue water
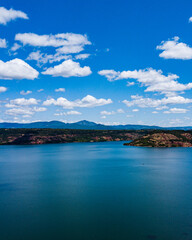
pixel 95 191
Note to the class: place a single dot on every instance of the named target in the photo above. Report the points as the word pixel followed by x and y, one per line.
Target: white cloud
pixel 73 113
pixel 107 113
pixel 17 69
pixel 25 111
pixel 3 89
pixel 82 56
pixel 3 43
pixel 39 109
pixel 22 102
pixel 58 114
pixel 57 57
pixel 111 123
pixel 68 113
pixel 190 19
pixel 88 101
pixel 70 49
pixel 112 112
pixel 38 56
pixel 44 58
pixel 25 92
pixel 173 49
pixel 40 90
pixel 60 90
pixel 150 102
pixel 15 47
pixel 68 68
pixel 161 108
pixel 65 44
pixel 176 110
pixel 154 112
pixel 58 40
pixel 11 14
pixel 25 116
pixel 19 111
pixel 154 80
pixel 135 110
pixel 130 84
pixel 111 75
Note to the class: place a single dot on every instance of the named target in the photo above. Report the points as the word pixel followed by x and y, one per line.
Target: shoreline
pixel 138 138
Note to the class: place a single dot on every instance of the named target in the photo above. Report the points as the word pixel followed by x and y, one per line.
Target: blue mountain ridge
pixel 85 125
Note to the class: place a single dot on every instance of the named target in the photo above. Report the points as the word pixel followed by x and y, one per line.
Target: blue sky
pixel 114 62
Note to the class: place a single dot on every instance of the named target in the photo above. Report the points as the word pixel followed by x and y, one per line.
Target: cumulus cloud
pixel 150 102
pixel 25 111
pixel 176 110
pixel 111 75
pixel 88 101
pixel 21 102
pixel 38 56
pixel 3 43
pixel 24 107
pixel 3 89
pixel 44 57
pixel 173 49
pixel 68 68
pixel 154 80
pixel 60 90
pixel 17 69
pixel 190 19
pixel 25 92
pixel 11 14
pixel 64 44
pixel 58 40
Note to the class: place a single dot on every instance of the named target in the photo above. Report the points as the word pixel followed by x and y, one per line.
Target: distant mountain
pixel 83 125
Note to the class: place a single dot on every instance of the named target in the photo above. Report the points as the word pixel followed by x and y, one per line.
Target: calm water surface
pixel 95 191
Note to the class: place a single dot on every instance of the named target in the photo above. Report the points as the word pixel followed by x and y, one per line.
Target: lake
pixel 95 191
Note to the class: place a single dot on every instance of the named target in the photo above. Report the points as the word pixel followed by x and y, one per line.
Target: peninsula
pixel 159 138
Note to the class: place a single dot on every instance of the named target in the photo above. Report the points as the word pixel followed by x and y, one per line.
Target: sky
pixel 111 62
